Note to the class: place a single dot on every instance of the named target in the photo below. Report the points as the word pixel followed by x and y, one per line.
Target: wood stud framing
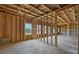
pixel 12 25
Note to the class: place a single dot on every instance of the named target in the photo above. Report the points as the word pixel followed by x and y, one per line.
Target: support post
pixel 47 30
pixel 44 32
pixel 38 30
pixel 41 30
pixel 78 28
pixel 56 30
pixel 51 32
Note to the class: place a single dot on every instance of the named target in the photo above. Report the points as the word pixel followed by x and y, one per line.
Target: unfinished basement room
pixel 39 28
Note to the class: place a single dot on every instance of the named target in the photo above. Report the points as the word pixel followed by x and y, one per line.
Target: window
pixel 48 30
pixel 28 29
pixel 45 29
pixel 53 29
pixel 37 29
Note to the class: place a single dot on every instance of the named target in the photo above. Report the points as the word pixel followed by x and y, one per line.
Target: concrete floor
pixel 66 45
pixel 31 47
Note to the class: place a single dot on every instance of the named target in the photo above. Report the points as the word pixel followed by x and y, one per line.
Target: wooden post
pixel 14 33
pixel 22 27
pixel 44 32
pixel 68 26
pixel 4 26
pixel 41 29
pixel 18 29
pixel 47 30
pixel 59 29
pixel 56 44
pixel 51 32
pixel 34 30
pixel 11 29
pixel 78 28
pixel 38 29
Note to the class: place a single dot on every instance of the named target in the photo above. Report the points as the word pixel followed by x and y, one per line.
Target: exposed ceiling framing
pixel 36 11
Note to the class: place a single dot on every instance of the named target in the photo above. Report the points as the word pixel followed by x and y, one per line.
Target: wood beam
pixel 54 18
pixel 47 7
pixel 57 15
pixel 37 9
pixel 63 8
pixel 61 19
pixel 3 7
pixel 65 14
pixel 25 10
pixel 24 6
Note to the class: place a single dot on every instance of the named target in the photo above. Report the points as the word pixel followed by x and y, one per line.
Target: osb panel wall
pixel 1 25
pixel 11 27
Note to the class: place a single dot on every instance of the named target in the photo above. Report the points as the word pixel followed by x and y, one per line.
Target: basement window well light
pixel 28 29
